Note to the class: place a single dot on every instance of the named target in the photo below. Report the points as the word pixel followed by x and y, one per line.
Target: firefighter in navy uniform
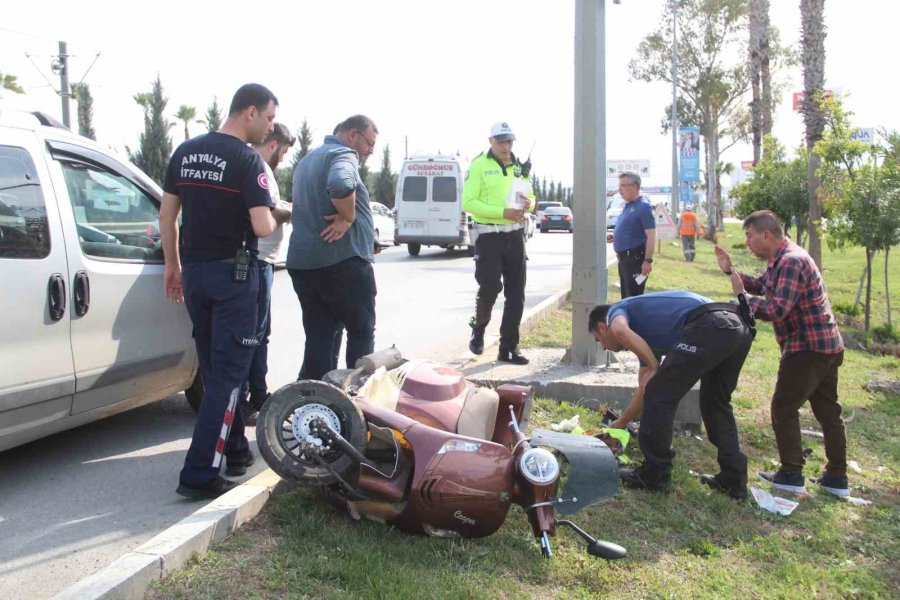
pixel 221 184
pixel 498 209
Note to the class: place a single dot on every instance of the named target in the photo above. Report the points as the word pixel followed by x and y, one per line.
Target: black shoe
pixel 237 467
pixel 207 491
pixel 789 481
pixel 476 342
pixel 833 484
pixel 256 403
pixel 512 356
pixel 736 491
pixel 638 479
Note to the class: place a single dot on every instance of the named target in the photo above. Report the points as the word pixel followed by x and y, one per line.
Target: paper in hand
pixel 518 187
pixel 640 278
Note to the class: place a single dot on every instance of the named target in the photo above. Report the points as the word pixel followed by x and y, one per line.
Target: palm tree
pixel 186 114
pixel 8 82
pixel 760 78
pixel 813 57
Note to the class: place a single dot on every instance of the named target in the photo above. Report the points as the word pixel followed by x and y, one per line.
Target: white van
pixel 429 204
pixel 87 332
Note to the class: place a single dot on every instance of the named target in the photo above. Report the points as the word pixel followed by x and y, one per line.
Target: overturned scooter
pixel 415 444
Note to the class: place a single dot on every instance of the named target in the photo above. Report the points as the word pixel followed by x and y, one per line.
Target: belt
pixel 742 310
pixel 490 228
pixel 636 250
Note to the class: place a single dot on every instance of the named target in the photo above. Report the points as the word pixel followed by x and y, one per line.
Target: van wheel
pixel 413 249
pixel 377 236
pixel 470 250
pixel 194 394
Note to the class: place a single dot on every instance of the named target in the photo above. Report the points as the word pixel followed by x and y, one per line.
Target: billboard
pixel 689 152
pixel 616 167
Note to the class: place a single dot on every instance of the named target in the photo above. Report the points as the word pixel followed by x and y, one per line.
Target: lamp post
pixel 675 178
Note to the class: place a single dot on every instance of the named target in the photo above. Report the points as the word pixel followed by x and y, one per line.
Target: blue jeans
pixel 336 297
pixel 223 314
pixel 256 381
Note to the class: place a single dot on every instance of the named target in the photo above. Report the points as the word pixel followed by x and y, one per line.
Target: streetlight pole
pixel 589 274
pixel 675 187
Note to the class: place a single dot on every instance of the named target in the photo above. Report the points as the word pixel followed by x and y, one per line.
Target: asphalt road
pixel 73 502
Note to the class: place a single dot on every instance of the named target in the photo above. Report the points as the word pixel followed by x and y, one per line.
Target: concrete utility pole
pixel 675 178
pixel 589 275
pixel 64 91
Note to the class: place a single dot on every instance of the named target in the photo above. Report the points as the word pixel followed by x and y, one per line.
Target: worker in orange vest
pixel 689 228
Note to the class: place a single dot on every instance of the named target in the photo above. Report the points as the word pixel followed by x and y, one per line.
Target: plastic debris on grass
pixel 773 504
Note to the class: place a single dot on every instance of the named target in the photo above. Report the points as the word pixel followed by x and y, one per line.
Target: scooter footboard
pixel 593 471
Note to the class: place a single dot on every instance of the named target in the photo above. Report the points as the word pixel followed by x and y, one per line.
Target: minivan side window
pixel 114 218
pixel 415 189
pixel 443 189
pixel 24 230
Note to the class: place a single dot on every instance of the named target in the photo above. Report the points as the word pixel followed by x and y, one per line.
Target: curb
pixel 131 574
pixel 530 319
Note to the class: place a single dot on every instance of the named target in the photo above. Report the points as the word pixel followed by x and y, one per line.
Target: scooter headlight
pixel 539 466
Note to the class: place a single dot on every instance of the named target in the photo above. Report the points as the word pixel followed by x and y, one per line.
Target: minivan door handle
pixel 56 296
pixel 82 291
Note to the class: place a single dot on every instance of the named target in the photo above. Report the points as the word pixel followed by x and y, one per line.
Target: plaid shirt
pixel 795 302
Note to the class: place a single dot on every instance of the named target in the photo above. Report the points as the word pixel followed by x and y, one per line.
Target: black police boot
pixel 479 323
pixel 238 466
pixel 208 491
pixel 512 356
pixel 642 479
pixel 733 489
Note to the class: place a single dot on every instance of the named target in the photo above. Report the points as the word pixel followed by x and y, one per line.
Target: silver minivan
pixel 86 329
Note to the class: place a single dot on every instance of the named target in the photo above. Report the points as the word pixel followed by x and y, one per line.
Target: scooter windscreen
pixel 593 472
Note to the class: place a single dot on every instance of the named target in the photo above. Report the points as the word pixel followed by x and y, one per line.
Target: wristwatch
pixel 648 260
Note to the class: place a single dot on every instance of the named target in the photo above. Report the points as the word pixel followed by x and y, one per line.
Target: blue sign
pixel 689 151
pixel 687 195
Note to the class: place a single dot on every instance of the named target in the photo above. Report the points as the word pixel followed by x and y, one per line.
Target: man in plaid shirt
pixel 796 303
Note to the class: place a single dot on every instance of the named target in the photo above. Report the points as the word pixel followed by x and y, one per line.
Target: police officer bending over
pixel 700 339
pixel 222 186
pixel 492 196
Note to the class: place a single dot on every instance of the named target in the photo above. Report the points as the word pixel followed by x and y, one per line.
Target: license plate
pixel 414 224
pixel 556 218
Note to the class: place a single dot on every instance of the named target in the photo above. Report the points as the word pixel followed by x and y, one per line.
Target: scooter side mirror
pixel 606 550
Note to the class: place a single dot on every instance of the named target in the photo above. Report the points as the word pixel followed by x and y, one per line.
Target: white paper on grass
pixel 518 187
pixel 779 506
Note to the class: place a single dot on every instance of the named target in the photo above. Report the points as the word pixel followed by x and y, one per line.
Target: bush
pixel 886 334
pixel 739 246
pixel 848 309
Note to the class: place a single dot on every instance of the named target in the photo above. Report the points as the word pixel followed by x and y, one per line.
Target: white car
pixel 383 221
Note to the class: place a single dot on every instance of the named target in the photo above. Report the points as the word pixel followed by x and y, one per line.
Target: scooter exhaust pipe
pixel 596 547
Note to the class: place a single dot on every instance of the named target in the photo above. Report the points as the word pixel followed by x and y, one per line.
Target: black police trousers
pixel 713 347
pixel 501 255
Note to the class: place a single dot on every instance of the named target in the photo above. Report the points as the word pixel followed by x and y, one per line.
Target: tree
pixel 186 114
pixel 155 146
pixel 862 198
pixel 779 185
pixel 760 76
pixel 813 57
pixel 386 181
pixel 213 118
pixel 536 187
pixel 711 32
pixel 82 94
pixel 9 82
pixel 304 141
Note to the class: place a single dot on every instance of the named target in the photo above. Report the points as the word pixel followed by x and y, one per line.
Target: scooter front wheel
pixel 293 446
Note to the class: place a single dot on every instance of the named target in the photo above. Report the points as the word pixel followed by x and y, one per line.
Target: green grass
pixel 690 544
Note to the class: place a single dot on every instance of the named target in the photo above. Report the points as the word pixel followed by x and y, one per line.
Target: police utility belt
pixel 488 228
pixel 741 309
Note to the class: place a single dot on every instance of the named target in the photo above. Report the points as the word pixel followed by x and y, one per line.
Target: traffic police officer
pixel 497 194
pixel 701 340
pixel 221 183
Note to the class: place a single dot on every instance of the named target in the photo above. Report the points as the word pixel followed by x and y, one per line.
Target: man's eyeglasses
pixel 368 141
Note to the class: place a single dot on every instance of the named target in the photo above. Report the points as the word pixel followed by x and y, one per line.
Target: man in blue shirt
pixel 221 185
pixel 634 237
pixel 332 248
pixel 700 340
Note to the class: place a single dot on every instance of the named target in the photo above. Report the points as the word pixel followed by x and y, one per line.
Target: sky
pixel 433 76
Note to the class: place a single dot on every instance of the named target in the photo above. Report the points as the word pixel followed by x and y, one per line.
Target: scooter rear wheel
pixel 288 445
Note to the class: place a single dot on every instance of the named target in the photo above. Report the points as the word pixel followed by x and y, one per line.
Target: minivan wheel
pixel 194 394
pixel 413 249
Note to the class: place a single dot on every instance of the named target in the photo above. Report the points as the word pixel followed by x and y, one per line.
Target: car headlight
pixel 539 466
